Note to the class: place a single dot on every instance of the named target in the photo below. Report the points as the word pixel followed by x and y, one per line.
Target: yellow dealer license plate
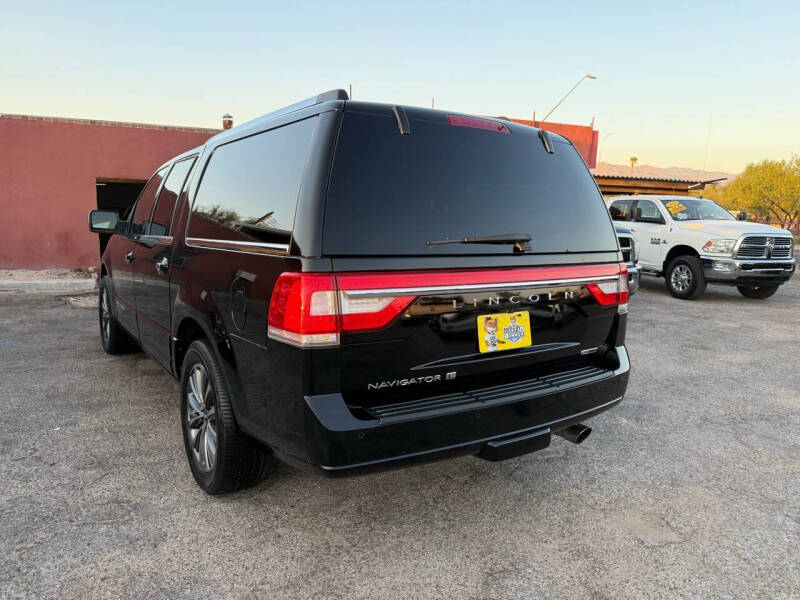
pixel 504 331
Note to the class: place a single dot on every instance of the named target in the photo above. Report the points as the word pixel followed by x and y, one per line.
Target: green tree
pixel 769 187
pixel 219 214
pixel 715 193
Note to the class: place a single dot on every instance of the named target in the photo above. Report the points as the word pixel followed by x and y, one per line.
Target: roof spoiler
pixel 331 95
pixel 318 99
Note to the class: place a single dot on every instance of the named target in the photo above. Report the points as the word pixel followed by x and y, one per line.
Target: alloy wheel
pixel 201 418
pixel 681 278
pixel 105 315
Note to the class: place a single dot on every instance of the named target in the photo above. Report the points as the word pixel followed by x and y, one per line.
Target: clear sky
pixel 712 85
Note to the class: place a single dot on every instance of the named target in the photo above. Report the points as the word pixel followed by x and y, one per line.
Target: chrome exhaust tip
pixel 575 433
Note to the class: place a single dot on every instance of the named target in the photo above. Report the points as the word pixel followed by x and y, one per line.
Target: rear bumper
pixel 633 277
pixel 733 271
pixel 495 423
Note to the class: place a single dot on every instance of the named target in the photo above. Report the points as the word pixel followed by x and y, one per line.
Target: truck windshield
pixel 693 209
pixel 424 193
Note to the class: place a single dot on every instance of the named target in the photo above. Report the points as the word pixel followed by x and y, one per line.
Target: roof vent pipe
pixel 227 121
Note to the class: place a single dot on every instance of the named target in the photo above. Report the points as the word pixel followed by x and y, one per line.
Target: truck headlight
pixel 719 247
pixel 635 248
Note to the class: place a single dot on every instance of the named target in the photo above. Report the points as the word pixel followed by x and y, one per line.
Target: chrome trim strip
pixel 236 246
pixel 419 291
pixel 238 243
pixel 771 263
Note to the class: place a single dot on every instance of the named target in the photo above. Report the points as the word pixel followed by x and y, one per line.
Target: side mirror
pixel 742 216
pixel 636 214
pixel 103 221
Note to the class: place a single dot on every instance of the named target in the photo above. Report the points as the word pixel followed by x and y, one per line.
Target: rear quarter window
pixel 249 189
pixel 390 193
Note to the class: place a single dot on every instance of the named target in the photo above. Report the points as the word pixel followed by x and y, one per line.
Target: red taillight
pixel 613 291
pixel 311 309
pixel 476 123
pixel 303 310
pixel 365 314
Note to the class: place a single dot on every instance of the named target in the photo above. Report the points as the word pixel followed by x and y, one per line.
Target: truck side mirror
pixel 636 214
pixel 742 216
pixel 103 221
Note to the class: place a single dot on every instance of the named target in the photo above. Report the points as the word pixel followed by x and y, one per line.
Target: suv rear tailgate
pixel 433 343
pixel 396 187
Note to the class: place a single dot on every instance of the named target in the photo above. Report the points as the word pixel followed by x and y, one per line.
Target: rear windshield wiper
pixel 521 241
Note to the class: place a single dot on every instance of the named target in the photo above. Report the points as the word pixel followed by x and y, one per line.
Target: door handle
pixel 129 257
pixel 162 265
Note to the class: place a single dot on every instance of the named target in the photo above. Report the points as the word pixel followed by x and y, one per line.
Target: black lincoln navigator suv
pixel 350 286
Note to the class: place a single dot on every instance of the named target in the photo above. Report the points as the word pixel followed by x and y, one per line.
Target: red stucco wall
pixel 48 169
pixel 583 137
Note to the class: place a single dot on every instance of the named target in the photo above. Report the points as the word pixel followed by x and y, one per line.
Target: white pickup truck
pixel 693 241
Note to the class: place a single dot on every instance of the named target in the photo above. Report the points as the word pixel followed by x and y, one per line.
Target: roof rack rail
pixel 318 99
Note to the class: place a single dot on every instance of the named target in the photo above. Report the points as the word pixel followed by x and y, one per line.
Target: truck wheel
pixel 221 457
pixel 114 338
pixel 685 278
pixel 757 292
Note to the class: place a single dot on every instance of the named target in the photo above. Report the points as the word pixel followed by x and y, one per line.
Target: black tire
pixel 238 460
pixel 757 292
pixel 113 336
pixel 685 278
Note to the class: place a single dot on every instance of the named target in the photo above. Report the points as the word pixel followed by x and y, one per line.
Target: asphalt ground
pixel 690 488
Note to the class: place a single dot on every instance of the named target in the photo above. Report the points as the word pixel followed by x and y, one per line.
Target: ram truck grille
pixel 763 247
pixel 626 245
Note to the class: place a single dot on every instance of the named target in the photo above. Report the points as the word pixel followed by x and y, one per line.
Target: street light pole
pixel 587 76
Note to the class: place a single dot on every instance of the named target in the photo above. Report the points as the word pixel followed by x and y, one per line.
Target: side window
pixel 249 189
pixel 165 206
pixel 144 205
pixel 621 210
pixel 649 212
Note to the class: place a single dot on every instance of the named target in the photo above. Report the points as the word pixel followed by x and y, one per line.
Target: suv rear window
pixel 390 193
